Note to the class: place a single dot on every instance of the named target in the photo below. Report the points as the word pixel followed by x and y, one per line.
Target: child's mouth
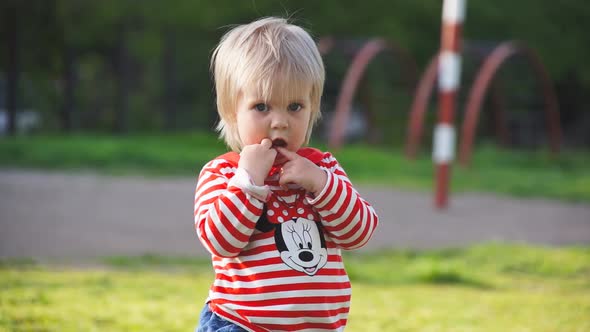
pixel 279 142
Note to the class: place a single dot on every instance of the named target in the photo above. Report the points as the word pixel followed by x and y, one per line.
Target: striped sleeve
pixel 347 218
pixel 225 216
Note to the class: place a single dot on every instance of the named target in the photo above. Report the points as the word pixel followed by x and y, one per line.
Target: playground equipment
pixel 444 143
pixel 492 62
pixel 361 58
pixel 449 69
pixel 446 66
pixel 480 86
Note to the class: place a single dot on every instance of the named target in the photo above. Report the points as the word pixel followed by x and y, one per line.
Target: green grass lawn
pixel 517 173
pixel 488 287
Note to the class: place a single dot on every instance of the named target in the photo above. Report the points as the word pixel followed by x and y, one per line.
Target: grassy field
pixel 517 173
pixel 488 287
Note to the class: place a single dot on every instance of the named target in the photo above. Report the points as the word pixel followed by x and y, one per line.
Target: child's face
pixel 283 121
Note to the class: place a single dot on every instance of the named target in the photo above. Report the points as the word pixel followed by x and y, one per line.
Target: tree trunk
pixel 12 70
pixel 69 76
pixel 170 81
pixel 122 73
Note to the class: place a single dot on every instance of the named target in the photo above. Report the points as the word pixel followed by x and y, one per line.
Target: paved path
pixel 54 215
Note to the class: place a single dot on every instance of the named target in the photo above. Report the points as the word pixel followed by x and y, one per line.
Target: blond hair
pixel 270 55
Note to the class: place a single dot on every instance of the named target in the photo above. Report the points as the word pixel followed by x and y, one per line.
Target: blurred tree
pixel 127 65
pixel 11 30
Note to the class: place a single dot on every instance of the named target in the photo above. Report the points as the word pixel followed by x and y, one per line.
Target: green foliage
pixel 513 172
pixel 163 154
pixel 175 38
pixel 487 287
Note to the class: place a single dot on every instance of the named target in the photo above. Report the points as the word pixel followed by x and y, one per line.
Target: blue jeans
pixel 211 322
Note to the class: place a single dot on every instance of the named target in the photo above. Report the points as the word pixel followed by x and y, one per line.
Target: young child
pixel 274 214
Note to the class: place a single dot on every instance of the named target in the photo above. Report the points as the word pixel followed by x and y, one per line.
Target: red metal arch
pixel 480 86
pixel 493 61
pixel 354 74
pixel 421 97
pixel 419 106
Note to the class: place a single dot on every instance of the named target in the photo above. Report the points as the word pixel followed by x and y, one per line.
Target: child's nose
pixel 279 121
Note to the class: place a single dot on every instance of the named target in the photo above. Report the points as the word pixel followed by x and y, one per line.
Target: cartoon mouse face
pixel 301 245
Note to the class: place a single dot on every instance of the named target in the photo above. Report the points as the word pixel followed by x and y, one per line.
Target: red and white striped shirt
pixel 278 265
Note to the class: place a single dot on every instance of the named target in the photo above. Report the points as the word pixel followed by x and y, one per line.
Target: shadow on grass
pixel 449 277
pixel 446 267
pixel 436 274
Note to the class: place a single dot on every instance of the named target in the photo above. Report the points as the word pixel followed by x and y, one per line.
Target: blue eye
pixel 294 107
pixel 261 107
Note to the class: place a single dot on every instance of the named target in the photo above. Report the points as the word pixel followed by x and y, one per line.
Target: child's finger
pixel 288 154
pixel 283 180
pixel 266 143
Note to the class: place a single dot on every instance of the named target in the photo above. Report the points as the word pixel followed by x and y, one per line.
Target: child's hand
pixel 302 171
pixel 257 159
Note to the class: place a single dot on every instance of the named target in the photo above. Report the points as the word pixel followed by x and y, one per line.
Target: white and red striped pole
pixel 449 72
